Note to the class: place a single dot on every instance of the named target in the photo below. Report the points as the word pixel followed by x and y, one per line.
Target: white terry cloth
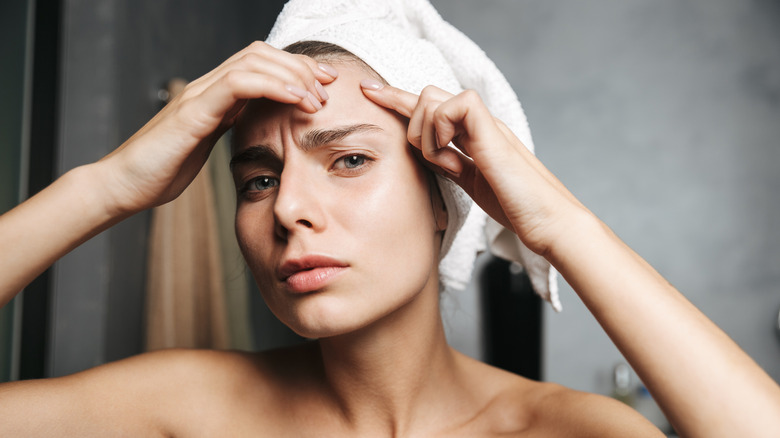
pixel 411 46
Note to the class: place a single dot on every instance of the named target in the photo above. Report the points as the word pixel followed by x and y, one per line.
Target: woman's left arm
pixel 703 381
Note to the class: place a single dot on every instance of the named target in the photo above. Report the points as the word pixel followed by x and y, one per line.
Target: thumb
pixel 390 97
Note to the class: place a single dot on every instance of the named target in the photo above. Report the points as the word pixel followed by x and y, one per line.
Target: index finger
pixel 390 97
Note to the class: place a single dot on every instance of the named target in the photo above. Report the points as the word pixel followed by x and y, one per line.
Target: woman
pixel 341 226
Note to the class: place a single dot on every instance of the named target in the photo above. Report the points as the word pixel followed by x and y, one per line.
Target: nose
pixel 297 207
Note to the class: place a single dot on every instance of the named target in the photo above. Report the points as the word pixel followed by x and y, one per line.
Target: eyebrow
pixel 258 153
pixel 309 141
pixel 319 137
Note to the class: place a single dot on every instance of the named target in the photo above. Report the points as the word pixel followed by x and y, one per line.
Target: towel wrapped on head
pixel 411 46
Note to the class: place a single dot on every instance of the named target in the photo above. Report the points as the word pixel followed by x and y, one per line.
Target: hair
pixel 328 52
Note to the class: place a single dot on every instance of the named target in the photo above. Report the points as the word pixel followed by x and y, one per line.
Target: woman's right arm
pixel 152 167
pixel 39 231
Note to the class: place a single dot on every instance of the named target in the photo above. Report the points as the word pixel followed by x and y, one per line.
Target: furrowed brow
pixel 310 140
pixel 319 137
pixel 255 154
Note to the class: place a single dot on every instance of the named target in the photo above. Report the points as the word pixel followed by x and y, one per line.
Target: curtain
pixel 185 305
pixel 197 290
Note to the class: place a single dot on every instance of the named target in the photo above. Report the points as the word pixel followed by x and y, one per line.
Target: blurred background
pixel 662 116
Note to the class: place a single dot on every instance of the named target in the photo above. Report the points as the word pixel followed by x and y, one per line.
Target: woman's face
pixel 335 215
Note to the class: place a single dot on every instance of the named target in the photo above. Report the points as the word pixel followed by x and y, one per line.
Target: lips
pixel 310 273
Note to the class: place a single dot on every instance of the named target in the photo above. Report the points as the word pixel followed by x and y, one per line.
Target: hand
pixel 490 163
pixel 157 163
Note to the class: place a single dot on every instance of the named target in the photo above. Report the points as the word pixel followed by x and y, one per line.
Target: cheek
pixel 254 233
pixel 394 215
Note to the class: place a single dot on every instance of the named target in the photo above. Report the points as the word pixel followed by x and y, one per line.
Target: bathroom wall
pixel 662 117
pixel 14 34
pixel 115 56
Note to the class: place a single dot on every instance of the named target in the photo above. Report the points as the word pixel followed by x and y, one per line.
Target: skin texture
pixel 382 366
pixel 375 217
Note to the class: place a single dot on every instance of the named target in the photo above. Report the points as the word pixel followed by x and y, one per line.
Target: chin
pixel 349 306
pixel 320 316
pixel 320 330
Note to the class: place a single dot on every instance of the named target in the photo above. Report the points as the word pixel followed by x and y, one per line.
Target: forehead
pixel 267 122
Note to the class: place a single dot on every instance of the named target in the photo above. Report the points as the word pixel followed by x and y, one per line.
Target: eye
pixel 260 184
pixel 352 164
pixel 354 161
pixel 263 183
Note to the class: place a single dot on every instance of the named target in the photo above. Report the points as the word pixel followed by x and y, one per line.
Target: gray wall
pixel 14 16
pixel 116 55
pixel 663 118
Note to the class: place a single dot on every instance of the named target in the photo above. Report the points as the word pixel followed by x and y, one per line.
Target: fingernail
pixel 330 71
pixel 314 101
pixel 300 92
pixel 371 84
pixel 321 90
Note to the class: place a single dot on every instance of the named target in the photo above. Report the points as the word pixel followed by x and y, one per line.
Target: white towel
pixel 411 46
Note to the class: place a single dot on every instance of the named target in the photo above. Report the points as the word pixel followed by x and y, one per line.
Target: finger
pixel 303 64
pixel 429 144
pixel 468 110
pixel 453 162
pixel 473 183
pixel 414 131
pixel 324 73
pixel 433 98
pixel 449 163
pixel 422 135
pixel 465 115
pixel 430 98
pixel 312 73
pixel 209 78
pixel 208 110
pixel 434 93
pixel 292 70
pixel 249 85
pixel 453 166
pixel 390 97
pixel 329 70
pixel 297 70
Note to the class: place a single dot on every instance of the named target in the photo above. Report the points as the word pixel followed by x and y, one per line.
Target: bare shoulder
pixel 211 393
pixel 522 407
pixel 565 412
pixel 201 392
pixel 152 394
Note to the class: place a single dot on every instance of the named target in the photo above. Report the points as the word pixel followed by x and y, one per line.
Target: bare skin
pixel 386 369
pixel 280 393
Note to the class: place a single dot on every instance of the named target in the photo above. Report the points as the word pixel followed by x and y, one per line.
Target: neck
pixel 394 373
